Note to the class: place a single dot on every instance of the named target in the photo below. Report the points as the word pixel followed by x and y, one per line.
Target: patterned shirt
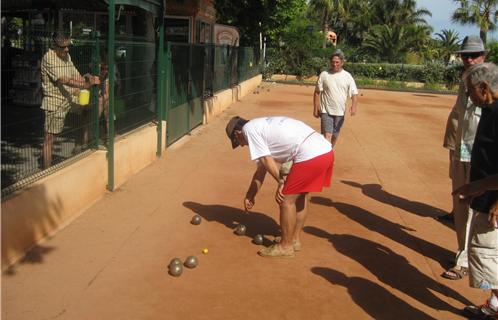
pixel 55 95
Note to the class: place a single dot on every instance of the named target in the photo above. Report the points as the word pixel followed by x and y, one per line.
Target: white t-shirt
pixel 335 89
pixel 284 139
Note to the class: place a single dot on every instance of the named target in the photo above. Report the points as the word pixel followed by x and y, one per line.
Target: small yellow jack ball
pixel 205 250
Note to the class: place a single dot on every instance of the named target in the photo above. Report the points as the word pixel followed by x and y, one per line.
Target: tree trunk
pixel 325 28
pixel 483 35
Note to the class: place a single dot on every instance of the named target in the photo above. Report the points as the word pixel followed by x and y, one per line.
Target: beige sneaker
pixel 275 251
pixel 296 244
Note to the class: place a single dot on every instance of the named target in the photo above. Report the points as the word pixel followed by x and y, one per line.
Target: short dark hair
pixel 59 37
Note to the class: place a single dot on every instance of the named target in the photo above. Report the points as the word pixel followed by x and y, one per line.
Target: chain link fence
pixel 47 125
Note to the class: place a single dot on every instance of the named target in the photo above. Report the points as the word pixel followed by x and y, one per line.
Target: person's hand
pixel 91 80
pixel 279 197
pixel 248 204
pixel 352 110
pixel 493 215
pixel 467 192
pixel 316 113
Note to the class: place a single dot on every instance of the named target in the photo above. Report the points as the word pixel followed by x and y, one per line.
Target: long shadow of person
pixel 390 230
pixel 255 222
pixel 392 269
pixel 376 192
pixel 378 302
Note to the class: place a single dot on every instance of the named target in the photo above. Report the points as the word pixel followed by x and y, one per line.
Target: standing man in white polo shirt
pixel 332 91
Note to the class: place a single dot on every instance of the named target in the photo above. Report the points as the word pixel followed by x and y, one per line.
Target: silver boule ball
pixel 175 270
pixel 258 239
pixel 240 230
pixel 191 262
pixel 196 220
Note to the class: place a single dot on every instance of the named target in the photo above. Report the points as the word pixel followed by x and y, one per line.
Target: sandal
pixel 276 250
pixel 295 244
pixel 455 273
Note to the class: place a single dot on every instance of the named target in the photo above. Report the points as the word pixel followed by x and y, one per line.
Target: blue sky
pixel 441 17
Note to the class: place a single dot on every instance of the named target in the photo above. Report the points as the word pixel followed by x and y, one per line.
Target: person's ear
pixel 239 136
pixel 486 92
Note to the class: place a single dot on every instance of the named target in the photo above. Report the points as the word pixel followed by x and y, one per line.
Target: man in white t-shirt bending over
pixel 273 141
pixel 333 88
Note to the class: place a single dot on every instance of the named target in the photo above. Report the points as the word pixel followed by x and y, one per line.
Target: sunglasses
pixel 473 55
pixel 62 47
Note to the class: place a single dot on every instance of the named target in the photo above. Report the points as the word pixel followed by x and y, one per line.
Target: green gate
pixel 185 110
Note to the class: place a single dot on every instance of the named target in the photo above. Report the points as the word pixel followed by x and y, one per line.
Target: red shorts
pixel 310 175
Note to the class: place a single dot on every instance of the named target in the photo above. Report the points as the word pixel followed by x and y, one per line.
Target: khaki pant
pixel 483 253
pixel 460 172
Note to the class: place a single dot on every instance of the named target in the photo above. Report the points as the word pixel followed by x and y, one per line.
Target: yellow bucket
pixel 84 97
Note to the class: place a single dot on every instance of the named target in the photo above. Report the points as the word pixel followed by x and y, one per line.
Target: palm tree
pixel 448 43
pixel 481 13
pixel 392 44
pixel 398 12
pixel 324 8
pixel 386 43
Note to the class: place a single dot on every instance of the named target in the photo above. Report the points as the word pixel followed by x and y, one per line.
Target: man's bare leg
pixel 48 145
pixel 288 219
pixel 333 140
pixel 301 214
pixel 328 136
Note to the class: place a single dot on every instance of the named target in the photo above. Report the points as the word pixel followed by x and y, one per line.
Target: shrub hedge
pixel 431 73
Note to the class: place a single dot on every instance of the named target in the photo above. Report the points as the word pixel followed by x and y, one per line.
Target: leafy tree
pixel 398 12
pixel 299 49
pixel 323 10
pixel 448 43
pixel 392 44
pixel 268 17
pixel 492 55
pixel 481 13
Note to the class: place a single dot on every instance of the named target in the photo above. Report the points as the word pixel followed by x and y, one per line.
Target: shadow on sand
pixel 255 222
pixel 375 191
pixel 375 300
pixel 392 269
pixel 391 230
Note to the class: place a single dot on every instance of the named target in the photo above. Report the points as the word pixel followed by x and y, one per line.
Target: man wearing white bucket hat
pixel 61 82
pixel 472 53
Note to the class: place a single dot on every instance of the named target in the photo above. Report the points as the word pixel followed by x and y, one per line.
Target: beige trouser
pixel 483 253
pixel 460 172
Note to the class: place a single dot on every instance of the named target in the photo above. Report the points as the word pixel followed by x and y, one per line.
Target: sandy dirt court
pixel 371 246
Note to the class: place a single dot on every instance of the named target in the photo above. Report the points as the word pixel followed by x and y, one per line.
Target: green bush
pixel 429 73
pixel 278 62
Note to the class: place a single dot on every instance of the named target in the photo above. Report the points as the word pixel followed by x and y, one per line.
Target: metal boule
pixel 191 262
pixel 240 230
pixel 175 270
pixel 196 220
pixel 258 239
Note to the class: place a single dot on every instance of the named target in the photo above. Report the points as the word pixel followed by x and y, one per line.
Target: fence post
pixel 160 84
pixel 95 116
pixel 110 138
pixel 168 77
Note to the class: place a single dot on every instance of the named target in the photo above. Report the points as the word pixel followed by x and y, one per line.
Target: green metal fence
pixel 40 134
pixel 195 72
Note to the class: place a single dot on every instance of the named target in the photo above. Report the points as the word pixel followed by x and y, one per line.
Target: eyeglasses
pixel 62 47
pixel 473 55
